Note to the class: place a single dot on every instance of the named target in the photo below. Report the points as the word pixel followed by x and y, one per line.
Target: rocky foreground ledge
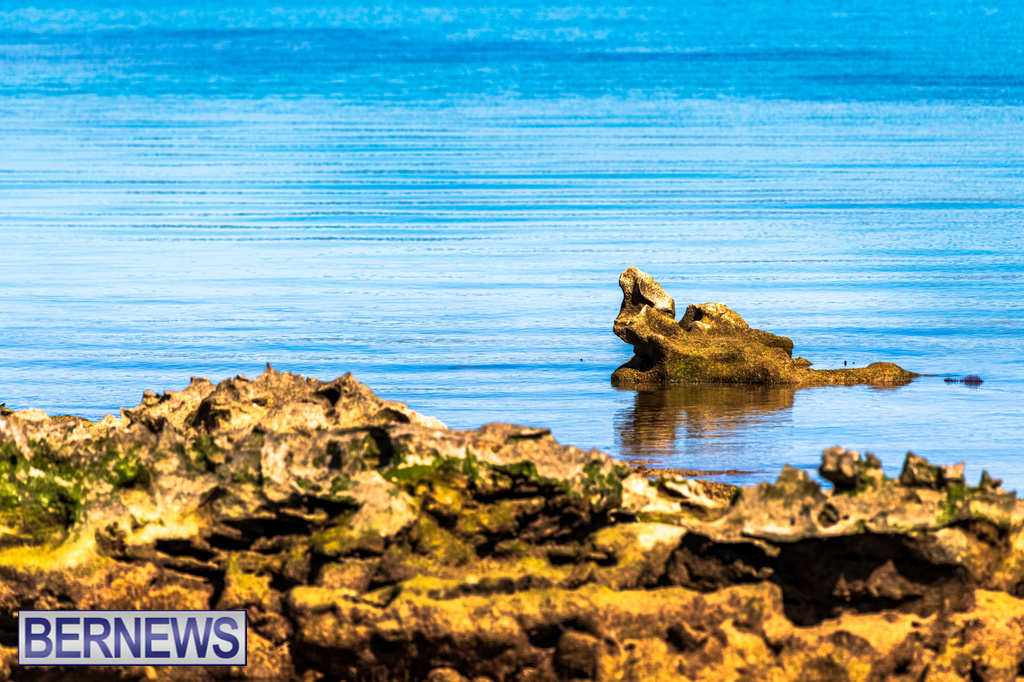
pixel 368 542
pixel 712 344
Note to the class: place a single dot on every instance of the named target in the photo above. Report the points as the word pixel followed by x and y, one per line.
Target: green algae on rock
pixel 712 344
pixel 366 541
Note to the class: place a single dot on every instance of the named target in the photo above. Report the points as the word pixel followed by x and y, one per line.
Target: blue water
pixel 440 198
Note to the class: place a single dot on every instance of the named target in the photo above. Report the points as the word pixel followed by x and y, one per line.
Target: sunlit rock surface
pixel 367 541
pixel 712 344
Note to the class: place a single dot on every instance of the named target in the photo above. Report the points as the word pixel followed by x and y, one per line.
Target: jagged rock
pixel 712 344
pixel 366 541
pixel 846 471
pixel 639 290
pixel 700 494
pixel 918 473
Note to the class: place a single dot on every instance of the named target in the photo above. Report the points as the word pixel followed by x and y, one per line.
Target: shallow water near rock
pixel 440 201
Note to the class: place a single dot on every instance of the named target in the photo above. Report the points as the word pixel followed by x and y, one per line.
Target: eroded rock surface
pixel 368 542
pixel 712 344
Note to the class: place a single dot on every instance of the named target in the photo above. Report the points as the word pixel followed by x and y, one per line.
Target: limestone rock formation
pixel 712 344
pixel 366 541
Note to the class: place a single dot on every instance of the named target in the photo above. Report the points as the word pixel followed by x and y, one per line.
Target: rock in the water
pixel 366 541
pixel 712 344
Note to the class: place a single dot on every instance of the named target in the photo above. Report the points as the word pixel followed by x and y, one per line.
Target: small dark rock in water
pixel 970 380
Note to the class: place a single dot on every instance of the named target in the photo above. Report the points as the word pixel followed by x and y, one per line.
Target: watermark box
pixel 131 638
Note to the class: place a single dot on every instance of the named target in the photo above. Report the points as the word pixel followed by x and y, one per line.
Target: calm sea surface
pixel 440 199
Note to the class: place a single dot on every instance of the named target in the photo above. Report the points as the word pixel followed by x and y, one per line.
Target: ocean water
pixel 439 198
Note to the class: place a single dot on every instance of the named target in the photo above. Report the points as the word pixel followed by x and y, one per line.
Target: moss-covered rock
pixel 365 541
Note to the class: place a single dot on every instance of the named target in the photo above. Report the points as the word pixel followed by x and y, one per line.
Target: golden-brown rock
pixel 365 541
pixel 712 344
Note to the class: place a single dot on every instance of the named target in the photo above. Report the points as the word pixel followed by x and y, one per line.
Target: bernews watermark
pixel 131 638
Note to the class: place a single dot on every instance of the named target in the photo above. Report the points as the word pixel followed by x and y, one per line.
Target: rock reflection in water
pixel 701 426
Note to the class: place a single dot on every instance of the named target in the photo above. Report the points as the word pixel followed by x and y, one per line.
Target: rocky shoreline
pixel 368 542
